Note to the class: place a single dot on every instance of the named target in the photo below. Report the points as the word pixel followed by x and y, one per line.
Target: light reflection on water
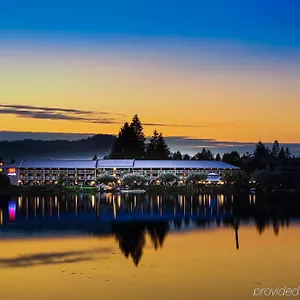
pixel 142 246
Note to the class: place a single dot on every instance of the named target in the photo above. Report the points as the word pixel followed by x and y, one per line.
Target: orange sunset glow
pixel 183 91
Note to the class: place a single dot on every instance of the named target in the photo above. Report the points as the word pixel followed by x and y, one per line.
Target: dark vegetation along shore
pixel 265 169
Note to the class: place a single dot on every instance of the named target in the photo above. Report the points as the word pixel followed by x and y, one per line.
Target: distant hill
pixel 99 144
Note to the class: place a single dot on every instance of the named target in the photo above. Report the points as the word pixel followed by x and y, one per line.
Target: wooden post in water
pixel 236 228
pixel 97 204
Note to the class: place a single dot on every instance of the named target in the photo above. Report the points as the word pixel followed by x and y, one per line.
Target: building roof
pixel 122 163
pixel 61 164
pixel 115 163
pixel 155 164
pixel 13 165
pixel 202 164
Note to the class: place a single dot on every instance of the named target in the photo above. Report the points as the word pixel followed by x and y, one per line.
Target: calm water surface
pixel 147 247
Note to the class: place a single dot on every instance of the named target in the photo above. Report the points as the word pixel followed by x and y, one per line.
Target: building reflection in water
pixel 133 217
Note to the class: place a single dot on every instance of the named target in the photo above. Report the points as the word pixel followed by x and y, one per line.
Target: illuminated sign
pixel 12 207
pixel 11 172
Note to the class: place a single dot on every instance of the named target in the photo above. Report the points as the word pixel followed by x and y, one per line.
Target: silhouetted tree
pixel 158 148
pixel 275 149
pixel 95 157
pixel 122 143
pixel 186 157
pixel 287 153
pixel 261 152
pixel 205 154
pixel 139 146
pixel 281 154
pixel 130 142
pixel 232 158
pixel 177 155
pixel 152 146
pixel 218 157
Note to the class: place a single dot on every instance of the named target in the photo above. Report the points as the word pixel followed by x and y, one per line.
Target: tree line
pixel 131 143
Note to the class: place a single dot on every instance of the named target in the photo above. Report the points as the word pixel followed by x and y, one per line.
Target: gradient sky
pixel 223 70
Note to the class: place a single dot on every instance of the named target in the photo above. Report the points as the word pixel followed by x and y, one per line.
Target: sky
pixel 227 71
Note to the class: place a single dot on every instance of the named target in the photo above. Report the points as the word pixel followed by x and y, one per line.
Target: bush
pixel 167 178
pixel 133 179
pixel 195 178
pixel 106 179
pixel 237 177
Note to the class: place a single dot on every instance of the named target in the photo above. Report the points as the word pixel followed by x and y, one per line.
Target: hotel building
pixel 30 172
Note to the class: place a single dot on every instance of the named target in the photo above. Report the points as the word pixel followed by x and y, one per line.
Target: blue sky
pixel 269 22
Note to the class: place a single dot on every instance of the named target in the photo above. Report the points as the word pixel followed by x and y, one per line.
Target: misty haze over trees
pixel 132 143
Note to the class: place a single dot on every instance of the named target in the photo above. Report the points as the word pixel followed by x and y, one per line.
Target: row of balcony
pixel 55 178
pixel 48 171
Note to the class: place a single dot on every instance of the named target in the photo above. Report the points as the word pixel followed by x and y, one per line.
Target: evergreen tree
pixel 130 142
pixel 287 153
pixel 281 154
pixel 122 144
pixel 158 148
pixel 152 146
pixel 177 155
pixel 218 157
pixel 95 157
pixel 186 157
pixel 261 152
pixel 162 148
pixel 275 149
pixel 232 158
pixel 138 146
pixel 205 154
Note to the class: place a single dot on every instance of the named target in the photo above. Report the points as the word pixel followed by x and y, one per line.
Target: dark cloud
pixel 53 109
pixel 54 113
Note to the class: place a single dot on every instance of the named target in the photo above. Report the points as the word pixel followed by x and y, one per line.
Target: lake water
pixel 148 246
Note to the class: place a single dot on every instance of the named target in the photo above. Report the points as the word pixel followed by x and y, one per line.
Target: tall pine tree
pixel 157 147
pixel 122 143
pixel 275 149
pixel 138 146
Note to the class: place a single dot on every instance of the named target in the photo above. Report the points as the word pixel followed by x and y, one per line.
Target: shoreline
pixel 40 190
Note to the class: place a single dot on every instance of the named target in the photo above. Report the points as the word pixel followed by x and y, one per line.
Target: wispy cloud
pixel 172 125
pixel 210 143
pixel 55 113
pixel 194 145
pixel 68 114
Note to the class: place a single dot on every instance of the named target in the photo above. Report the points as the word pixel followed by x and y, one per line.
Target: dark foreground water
pixel 149 247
